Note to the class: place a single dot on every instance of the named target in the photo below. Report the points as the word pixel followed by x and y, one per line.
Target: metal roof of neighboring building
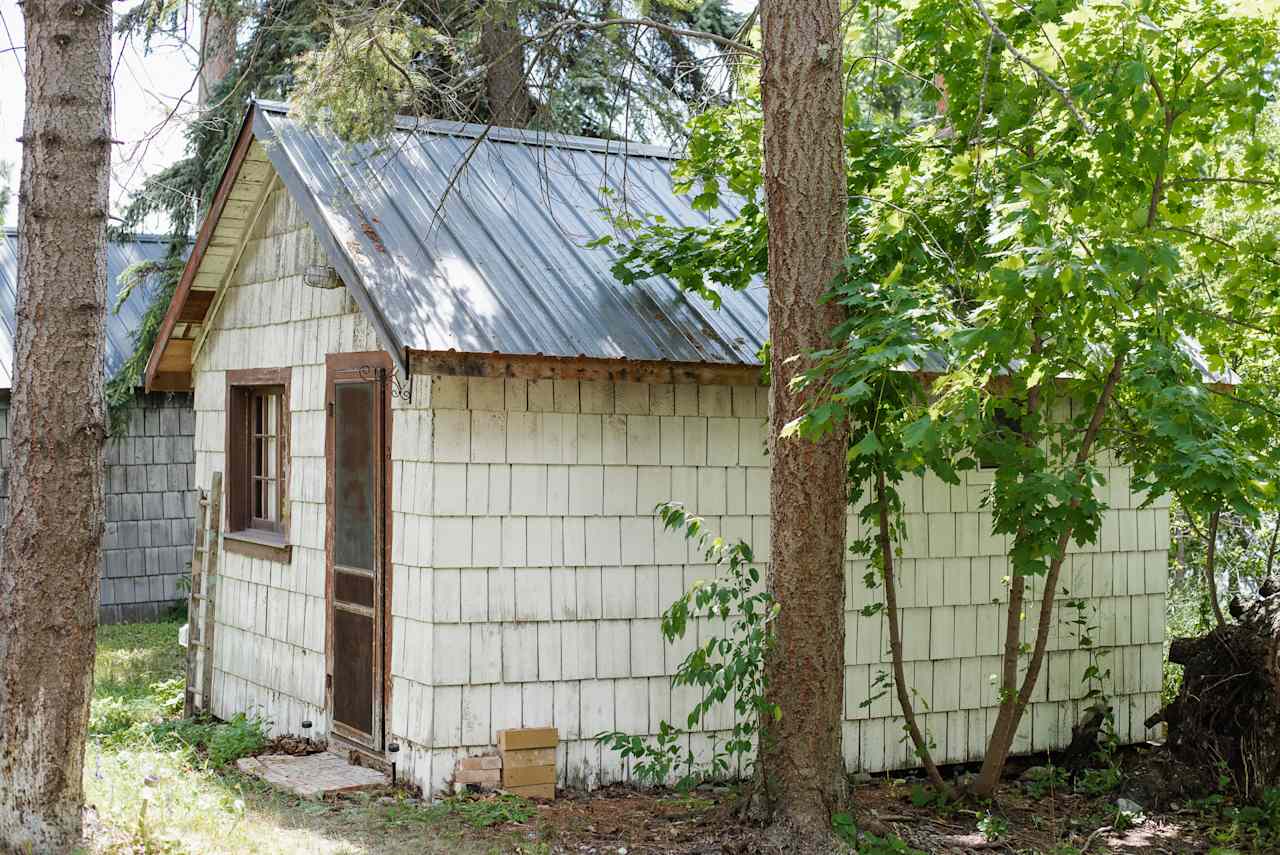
pixel 503 266
pixel 120 325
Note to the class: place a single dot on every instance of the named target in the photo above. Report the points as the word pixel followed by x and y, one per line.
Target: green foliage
pixel 429 59
pixel 726 668
pixel 239 737
pixel 1028 261
pixel 1055 780
pixel 845 827
pixel 1251 827
pixel 993 827
pixel 1099 782
pixel 161 278
pixel 866 843
pixel 495 810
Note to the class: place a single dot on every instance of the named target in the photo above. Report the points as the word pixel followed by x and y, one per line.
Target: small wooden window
pixel 266 481
pixel 258 453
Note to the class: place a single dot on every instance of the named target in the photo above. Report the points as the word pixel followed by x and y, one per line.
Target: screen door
pixel 356 547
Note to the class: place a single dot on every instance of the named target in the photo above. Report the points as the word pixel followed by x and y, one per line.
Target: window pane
pixel 353 670
pixel 273 499
pixel 257 498
pixel 355 487
pixel 257 414
pixel 350 588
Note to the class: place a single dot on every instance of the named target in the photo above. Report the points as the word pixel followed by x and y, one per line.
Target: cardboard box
pixel 535 791
pixel 517 739
pixel 481 777
pixel 487 761
pixel 526 776
pixel 528 757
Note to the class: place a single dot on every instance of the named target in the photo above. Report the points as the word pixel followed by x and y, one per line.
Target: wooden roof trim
pixel 539 367
pixel 224 284
pixel 244 141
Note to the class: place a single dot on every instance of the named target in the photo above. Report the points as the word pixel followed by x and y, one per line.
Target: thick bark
pixel 217 48
pixel 1228 709
pixel 895 646
pixel 52 543
pixel 502 49
pixel 804 179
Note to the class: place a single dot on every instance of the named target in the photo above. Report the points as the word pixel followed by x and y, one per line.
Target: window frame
pixel 245 532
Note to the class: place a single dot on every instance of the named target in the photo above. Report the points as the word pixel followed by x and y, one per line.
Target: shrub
pixel 727 669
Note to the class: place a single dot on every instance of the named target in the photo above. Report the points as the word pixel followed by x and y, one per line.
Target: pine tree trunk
pixel 217 49
pixel 52 543
pixel 502 49
pixel 801 763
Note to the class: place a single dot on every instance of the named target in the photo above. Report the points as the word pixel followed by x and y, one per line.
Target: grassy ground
pixel 154 784
pixel 157 784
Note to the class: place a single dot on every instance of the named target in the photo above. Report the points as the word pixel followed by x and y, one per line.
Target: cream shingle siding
pixel 271 618
pixel 529 571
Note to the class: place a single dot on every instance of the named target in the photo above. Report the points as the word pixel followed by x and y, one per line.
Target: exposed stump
pixel 1226 717
pixel 1086 739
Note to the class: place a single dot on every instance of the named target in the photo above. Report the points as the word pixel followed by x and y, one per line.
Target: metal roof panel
pixel 120 325
pixel 502 264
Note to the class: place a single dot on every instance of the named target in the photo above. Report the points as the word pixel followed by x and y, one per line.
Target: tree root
pixel 1226 717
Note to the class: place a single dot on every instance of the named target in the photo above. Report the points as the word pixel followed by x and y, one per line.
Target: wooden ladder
pixel 200 601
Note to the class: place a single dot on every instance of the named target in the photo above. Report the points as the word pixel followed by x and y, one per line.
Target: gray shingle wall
pixel 150 507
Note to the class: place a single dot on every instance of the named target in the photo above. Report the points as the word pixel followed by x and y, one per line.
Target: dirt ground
pixel 1027 819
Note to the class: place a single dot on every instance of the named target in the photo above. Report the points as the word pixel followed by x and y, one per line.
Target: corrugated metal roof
pixel 503 266
pixel 120 325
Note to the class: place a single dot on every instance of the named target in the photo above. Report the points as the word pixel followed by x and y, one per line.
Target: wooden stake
pixel 210 622
pixel 194 632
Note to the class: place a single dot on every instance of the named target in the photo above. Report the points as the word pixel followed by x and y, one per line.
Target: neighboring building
pixel 149 497
pixel 443 438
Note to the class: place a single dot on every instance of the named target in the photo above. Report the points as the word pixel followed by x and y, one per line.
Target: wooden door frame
pixel 380 367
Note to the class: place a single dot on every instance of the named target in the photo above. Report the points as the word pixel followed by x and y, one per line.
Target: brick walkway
pixel 313 776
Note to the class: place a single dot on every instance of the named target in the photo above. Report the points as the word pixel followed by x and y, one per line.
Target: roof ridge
pixel 521 136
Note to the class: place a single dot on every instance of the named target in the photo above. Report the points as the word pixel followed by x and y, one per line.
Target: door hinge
pixel 331 409
pixel 328 682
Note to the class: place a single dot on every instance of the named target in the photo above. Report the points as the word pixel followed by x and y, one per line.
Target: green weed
pixel 993 827
pixel 498 810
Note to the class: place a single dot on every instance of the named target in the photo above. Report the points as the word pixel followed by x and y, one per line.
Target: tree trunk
pixel 900 686
pixel 801 763
pixel 52 543
pixel 1228 709
pixel 1211 567
pixel 1014 699
pixel 502 49
pixel 1275 540
pixel 217 49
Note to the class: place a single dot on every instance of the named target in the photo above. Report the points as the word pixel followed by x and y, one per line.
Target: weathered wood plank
pixel 208 632
pixel 194 598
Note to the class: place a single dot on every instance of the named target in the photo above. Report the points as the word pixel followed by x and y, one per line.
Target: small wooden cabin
pixel 444 428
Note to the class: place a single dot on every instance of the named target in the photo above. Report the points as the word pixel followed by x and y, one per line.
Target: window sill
pixel 266 545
